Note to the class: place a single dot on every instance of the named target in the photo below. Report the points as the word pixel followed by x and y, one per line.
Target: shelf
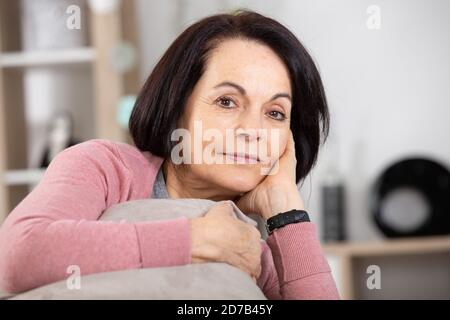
pixel 106 86
pixel 45 58
pixel 23 177
pixel 416 245
pixel 399 259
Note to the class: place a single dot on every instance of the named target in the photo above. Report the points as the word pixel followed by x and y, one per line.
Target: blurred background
pixel 380 192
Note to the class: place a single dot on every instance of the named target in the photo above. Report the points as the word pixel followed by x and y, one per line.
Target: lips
pixel 242 157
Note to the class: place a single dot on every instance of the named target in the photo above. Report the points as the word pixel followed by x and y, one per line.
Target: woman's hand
pixel 221 237
pixel 277 192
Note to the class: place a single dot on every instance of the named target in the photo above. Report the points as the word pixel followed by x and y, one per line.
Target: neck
pixel 182 185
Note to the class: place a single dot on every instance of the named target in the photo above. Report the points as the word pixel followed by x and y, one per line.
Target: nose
pixel 248 134
pixel 250 126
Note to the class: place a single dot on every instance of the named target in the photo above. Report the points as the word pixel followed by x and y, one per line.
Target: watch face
pixel 412 198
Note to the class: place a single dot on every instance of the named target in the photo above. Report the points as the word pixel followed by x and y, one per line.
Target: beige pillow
pixel 195 281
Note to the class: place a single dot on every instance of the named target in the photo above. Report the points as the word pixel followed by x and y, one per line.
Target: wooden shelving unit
pixel 412 268
pixel 47 58
pixel 107 30
pixel 22 177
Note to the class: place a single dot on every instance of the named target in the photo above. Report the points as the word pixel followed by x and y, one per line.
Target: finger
pixel 249 263
pixel 240 263
pixel 289 158
pixel 224 208
pixel 259 271
pixel 253 264
pixel 290 146
pixel 274 166
pixel 256 268
pixel 246 264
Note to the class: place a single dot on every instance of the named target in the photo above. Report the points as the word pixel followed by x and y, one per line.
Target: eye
pixel 226 102
pixel 277 115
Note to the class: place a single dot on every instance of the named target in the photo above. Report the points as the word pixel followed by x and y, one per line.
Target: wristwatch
pixel 285 218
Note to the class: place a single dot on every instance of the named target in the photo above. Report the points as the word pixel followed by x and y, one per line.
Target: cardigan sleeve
pixel 56 225
pixel 294 266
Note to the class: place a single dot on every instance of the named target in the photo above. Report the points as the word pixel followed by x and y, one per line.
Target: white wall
pixel 388 89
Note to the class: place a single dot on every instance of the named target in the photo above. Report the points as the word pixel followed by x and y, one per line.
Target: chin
pixel 238 178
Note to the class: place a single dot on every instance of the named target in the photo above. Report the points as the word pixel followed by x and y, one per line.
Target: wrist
pixel 281 198
pixel 195 225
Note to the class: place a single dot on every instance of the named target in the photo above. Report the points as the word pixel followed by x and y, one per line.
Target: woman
pixel 241 73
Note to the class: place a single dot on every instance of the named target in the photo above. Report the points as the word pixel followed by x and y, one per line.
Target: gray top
pixel 159 187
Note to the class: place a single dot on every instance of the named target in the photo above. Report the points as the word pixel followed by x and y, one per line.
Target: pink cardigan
pixel 57 225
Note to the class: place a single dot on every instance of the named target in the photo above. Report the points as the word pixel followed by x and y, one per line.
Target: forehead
pixel 249 63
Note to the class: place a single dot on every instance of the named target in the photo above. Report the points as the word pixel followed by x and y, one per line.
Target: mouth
pixel 242 158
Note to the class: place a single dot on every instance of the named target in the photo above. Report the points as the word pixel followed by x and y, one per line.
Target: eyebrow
pixel 243 92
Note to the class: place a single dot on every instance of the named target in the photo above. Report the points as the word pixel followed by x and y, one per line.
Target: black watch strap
pixel 284 218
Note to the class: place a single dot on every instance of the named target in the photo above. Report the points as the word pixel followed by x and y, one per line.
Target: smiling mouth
pixel 242 158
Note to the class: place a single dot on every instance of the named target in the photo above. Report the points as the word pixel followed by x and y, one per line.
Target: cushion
pixel 194 281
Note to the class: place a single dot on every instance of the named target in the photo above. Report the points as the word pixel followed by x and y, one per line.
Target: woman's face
pixel 244 95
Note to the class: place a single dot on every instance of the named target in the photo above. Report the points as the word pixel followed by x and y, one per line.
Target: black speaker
pixel 412 198
pixel 333 208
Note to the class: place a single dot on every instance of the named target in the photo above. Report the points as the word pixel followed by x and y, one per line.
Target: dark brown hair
pixel 161 102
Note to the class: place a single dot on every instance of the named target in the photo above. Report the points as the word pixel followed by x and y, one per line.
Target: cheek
pixel 277 144
pixel 208 130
